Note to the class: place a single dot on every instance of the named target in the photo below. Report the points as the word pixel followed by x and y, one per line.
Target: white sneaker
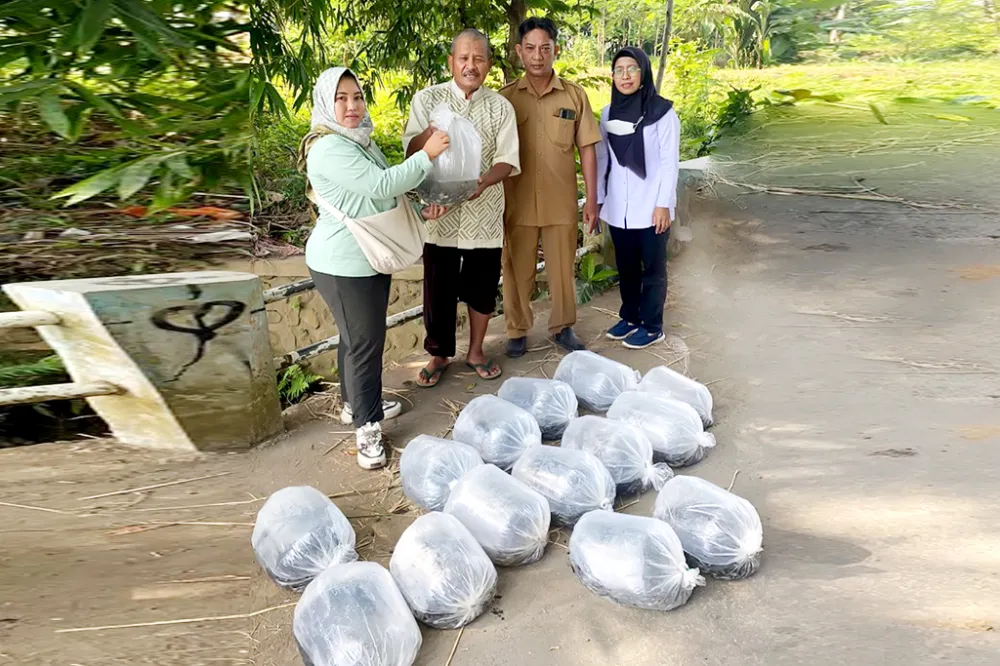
pixel 371 453
pixel 390 408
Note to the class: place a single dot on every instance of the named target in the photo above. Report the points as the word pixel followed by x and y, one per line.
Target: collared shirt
pixel 626 200
pixel 545 193
pixel 477 223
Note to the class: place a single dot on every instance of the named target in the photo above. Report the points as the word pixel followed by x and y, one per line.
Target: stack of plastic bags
pixel 633 560
pixel 719 531
pixel 674 427
pixel 624 450
pixel 298 534
pixel 445 576
pixel 353 614
pixel 550 401
pixel 574 482
pixel 508 519
pixel 673 384
pixel 430 467
pixel 596 380
pixel 500 431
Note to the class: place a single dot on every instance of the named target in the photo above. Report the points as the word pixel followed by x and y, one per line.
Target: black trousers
pixel 452 275
pixel 359 306
pixel 641 255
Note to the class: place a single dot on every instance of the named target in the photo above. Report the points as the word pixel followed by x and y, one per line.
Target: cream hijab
pixel 324 118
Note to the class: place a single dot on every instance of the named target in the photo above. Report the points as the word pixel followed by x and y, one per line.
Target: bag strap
pixel 329 208
pixel 340 215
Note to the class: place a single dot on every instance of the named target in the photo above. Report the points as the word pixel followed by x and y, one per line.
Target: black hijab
pixel 645 104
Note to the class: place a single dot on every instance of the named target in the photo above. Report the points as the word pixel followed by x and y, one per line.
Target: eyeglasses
pixel 619 72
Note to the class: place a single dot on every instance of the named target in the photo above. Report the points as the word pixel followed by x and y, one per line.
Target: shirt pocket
pixel 560 131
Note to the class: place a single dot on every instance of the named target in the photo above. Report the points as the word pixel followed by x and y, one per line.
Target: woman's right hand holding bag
pixel 436 144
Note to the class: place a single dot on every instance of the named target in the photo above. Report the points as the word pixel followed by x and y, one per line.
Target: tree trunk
pixel 841 15
pixel 517 11
pixel 602 34
pixel 665 47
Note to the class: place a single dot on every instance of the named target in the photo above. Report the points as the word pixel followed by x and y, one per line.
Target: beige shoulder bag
pixel 390 241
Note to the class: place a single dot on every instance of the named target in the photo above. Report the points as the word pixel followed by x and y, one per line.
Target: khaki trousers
pixel 520 256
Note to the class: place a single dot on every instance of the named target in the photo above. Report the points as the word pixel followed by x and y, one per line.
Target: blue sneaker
pixel 642 339
pixel 621 330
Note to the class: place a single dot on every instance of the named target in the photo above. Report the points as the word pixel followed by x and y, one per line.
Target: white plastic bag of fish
pixel 574 482
pixel 430 466
pixel 454 174
pixel 354 615
pixel 444 574
pixel 674 427
pixel 624 449
pixel 550 401
pixel 673 384
pixel 499 430
pixel 299 532
pixel 720 531
pixel 632 560
pixel 508 519
pixel 596 380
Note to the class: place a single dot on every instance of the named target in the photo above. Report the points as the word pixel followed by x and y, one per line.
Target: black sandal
pixel 488 368
pixel 427 379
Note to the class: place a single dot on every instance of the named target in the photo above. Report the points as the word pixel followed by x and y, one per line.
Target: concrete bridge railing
pixel 182 361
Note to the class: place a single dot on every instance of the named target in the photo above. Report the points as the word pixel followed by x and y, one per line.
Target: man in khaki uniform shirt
pixel 553 117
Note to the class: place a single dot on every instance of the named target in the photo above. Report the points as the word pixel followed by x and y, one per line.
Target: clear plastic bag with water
pixel 299 532
pixel 672 384
pixel 632 560
pixel 550 401
pixel 354 615
pixel 596 380
pixel 674 427
pixel 444 574
pixel 625 451
pixel 574 482
pixel 499 430
pixel 719 530
pixel 430 466
pixel 508 519
pixel 454 174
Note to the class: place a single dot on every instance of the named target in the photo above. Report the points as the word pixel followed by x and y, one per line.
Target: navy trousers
pixel 641 255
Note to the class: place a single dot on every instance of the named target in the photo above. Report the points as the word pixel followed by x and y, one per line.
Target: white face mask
pixel 621 127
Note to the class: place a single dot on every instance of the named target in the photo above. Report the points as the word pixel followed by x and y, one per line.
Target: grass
pixel 866 81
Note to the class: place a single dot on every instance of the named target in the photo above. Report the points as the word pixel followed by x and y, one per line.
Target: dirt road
pixel 851 348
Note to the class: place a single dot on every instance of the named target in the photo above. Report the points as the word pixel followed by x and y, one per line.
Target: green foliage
pixel 693 89
pixel 46 370
pixel 592 279
pixel 916 29
pixel 178 81
pixel 294 383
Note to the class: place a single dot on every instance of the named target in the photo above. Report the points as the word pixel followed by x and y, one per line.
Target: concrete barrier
pixel 189 353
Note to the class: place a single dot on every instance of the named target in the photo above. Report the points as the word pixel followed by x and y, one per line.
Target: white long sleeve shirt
pixel 626 200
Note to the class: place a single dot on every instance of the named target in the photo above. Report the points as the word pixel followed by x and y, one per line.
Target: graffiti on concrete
pixel 206 324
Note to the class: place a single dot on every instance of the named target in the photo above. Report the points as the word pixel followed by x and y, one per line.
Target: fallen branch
pixel 195 523
pixel 207 579
pixel 883 198
pixel 36 508
pixel 165 623
pixel 454 648
pixel 733 482
pixel 200 506
pixel 154 486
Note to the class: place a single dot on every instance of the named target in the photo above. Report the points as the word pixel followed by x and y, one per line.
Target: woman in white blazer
pixel 637 191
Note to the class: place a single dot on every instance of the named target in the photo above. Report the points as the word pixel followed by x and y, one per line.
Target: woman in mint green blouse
pixel 347 171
